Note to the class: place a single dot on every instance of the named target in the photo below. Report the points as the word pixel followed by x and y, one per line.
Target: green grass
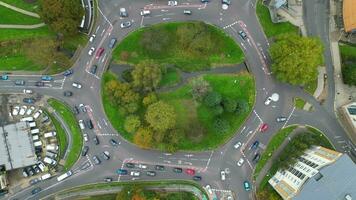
pixel 67 115
pixel 61 135
pixel 299 103
pixel 20 34
pixel 99 197
pixel 311 86
pixel 225 50
pixel 272 29
pixel 347 52
pixel 9 16
pixel 71 43
pixel 32 7
pixel 348 58
pixel 170 78
pixel 273 144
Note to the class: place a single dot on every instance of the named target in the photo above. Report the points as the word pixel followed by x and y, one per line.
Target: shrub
pixel 212 99
pixel 230 105
pixel 221 125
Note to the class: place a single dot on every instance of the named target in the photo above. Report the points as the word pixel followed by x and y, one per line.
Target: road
pixel 239 16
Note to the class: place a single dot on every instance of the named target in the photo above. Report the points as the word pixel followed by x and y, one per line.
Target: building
pixel 288 183
pixel 16 146
pixel 350 112
pixel 349 15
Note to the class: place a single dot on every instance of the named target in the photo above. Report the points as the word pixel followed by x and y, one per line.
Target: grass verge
pixel 170 78
pixel 67 115
pixel 299 103
pixel 348 59
pixel 25 5
pixel 61 135
pixel 9 16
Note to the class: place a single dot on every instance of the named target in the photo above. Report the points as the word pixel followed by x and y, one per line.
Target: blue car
pixel 247 186
pixel 4 77
pixel 46 78
pixel 29 100
pixel 122 172
pixel 68 72
pixel 255 145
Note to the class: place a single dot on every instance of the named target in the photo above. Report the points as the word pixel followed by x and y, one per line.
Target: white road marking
pixel 288 117
pixel 141 21
pixel 97 29
pixel 254 111
pixel 166 18
pixel 102 33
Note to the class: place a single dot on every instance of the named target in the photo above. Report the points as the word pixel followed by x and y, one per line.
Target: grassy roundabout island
pixel 199 113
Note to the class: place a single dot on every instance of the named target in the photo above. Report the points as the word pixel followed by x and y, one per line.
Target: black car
pixel 75 110
pixel 177 170
pixel 112 43
pixel 36 190
pixel 39 84
pixel 96 140
pixel 85 150
pixel 113 142
pixel 19 82
pixel 96 160
pixel 36 169
pixel 105 155
pixel 151 173
pixel 159 167
pixel 130 165
pixel 93 69
pixel 256 158
pixel 29 100
pixel 89 124
pixel 197 178
pixel 68 93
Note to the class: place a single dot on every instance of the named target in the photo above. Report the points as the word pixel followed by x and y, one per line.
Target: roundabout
pixel 239 16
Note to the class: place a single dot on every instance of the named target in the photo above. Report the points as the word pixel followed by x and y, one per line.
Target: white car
pixel 23 110
pixel 172 3
pixel 237 145
pixel 91 51
pixel 135 173
pixel 37 114
pixel 81 124
pixel 91 39
pixel 85 136
pixel 240 162
pixel 30 110
pixel 27 91
pixel 268 101
pixel 208 188
pixel 142 166
pixel 15 110
pixel 223 175
pixel 274 97
pixel 76 85
pixel 145 12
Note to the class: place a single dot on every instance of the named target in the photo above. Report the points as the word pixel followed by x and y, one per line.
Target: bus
pixel 64 176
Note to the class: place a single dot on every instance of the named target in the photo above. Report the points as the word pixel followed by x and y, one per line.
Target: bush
pixel 242 106
pixel 221 125
pixel 230 105
pixel 212 99
pixel 217 110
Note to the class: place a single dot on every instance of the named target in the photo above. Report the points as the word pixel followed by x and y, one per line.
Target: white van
pixel 145 12
pixel 37 144
pixel 26 119
pixel 35 131
pixel 46 176
pixel 35 137
pixel 81 124
pixel 32 124
pixel 49 161
pixel 37 114
pixel 52 147
pixel 64 176
pixel 50 134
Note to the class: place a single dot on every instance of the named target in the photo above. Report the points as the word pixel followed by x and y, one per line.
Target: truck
pixel 64 176
pixel 35 131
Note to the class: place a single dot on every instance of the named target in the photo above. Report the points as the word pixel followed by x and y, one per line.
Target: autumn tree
pixel 132 123
pixel 200 88
pixel 295 59
pixel 150 99
pixel 63 16
pixel 146 76
pixel 144 138
pixel 161 116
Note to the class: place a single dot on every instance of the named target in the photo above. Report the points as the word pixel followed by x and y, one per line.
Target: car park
pixel 76 85
pixel 281 119
pixel 37 114
pixel 89 124
pixel 125 24
pixel 68 72
pixel 130 165
pixel 243 35
pixel 142 166
pixel 46 78
pixel 123 12
pixel 91 51
pixel 68 93
pixel 81 124
pixel 177 170
pixel 187 12
pixel 135 173
pixel 39 84
pixel 190 172
pixel 29 100
pixel 93 69
pixel 222 175
pixel 105 155
pixel 82 107
pixel 159 167
pixel 172 3
pixel 247 186
pixel 145 12
pixel 112 43
pixel 108 179
pixel 122 172
pixel 240 162
pixel 208 188
pixel 36 190
pixel 96 140
pixel 96 160
pixel 85 150
pixel 99 53
pixel 27 91
pixel 151 173
pixel 113 142
pixel 92 37
pixel 255 145
pixel 197 178
pixel 264 127
pixel 237 145
pixel 19 82
pixel 256 158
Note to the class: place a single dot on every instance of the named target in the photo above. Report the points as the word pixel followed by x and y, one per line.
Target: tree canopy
pixel 161 116
pixel 295 59
pixel 146 75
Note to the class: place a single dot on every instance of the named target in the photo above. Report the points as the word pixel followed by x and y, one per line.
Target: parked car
pixel 122 172
pixel 96 160
pixel 197 178
pixel 85 150
pixel 281 119
pixel 93 69
pixel 142 166
pixel 82 107
pixel 135 173
pixel 30 110
pixel 223 175
pixel 237 145
pixel 108 179
pixel 247 186
pixel 190 172
pixel 68 72
pixel 68 93
pixel 96 140
pixel 204 1
pixel 85 136
pixel 172 3
pixel 243 35
pixel 264 127
pixel 75 110
pixel 113 142
pixel 123 12
pixel 46 78
pixel 208 188
pixel 130 165
pixel 19 82
pixel 36 190
pixel 23 110
pixel 112 43
pixel 240 162
pixel 81 124
pixel 99 52
pixel 89 124
pixel 159 167
pixel 125 24
pixel 92 37
pixel 227 2
pixel 29 100
pixel 177 170
pixel 4 77
pixel 151 173
pixel 91 51
pixel 15 110
pixel 187 12
pixel 105 155
pixel 27 91
pixel 39 84
pixel 256 158
pixel 255 145
pixel 76 85
pixel 37 114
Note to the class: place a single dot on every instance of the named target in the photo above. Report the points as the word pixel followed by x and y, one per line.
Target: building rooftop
pixel 16 146
pixel 349 15
pixel 335 181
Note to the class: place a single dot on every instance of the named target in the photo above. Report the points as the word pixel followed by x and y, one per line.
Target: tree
pixel 229 105
pixel 150 99
pixel 132 123
pixel 63 16
pixel 144 138
pixel 242 106
pixel 212 99
pixel 221 125
pixel 200 88
pixel 295 59
pixel 161 116
pixel 217 110
pixel 146 76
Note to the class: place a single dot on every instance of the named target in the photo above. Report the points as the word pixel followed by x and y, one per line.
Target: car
pixel 204 1
pixel 30 171
pixel 4 77
pixel 96 160
pixel 142 166
pixel 37 114
pixel 247 186
pixel 255 145
pixel 81 124
pixel 268 101
pixel 68 93
pixel 105 155
pixel 85 136
pixel 122 171
pixel 129 165
pixel 125 24
pixel 113 142
pixel 75 110
pixel 112 43
pixel 85 150
pixel 177 170
pixel 91 51
pixel 135 173
pixel 30 110
pixel 159 167
pixel 37 169
pixel 76 85
pixel 256 158
pixel 93 69
pixel 240 162
pixel 223 175
pixel 23 110
pixel 82 107
pixel 15 110
pixel 227 2
pixel 99 52
pixel 68 72
pixel 46 78
pixel 145 12
pixel 39 84
pixel 243 35
pixel 89 124
pixel 208 188
pixel 92 37
pixel 197 178
pixel 151 173
pixel 172 3
pixel 237 145
pixel 96 140
pixel 19 82
pixel 190 172
pixel 29 100
pixel 24 173
pixel 27 91
pixel 281 119
pixel 274 97
pixel 264 127
pixel 36 190
pixel 123 12
pixel 230 198
pixel 187 12
pixel 108 179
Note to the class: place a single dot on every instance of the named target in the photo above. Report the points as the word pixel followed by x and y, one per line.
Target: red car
pixel 99 53
pixel 190 172
pixel 263 127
